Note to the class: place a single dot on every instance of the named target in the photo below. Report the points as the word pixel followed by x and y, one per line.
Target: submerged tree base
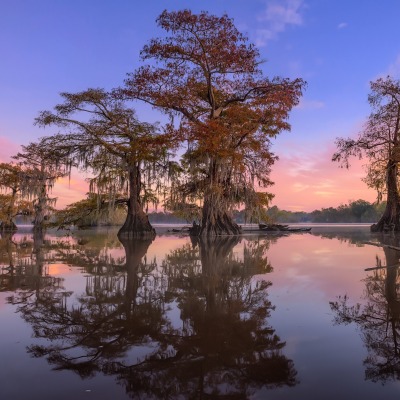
pixel 385 226
pixel 221 226
pixel 8 227
pixel 137 227
pixel 389 222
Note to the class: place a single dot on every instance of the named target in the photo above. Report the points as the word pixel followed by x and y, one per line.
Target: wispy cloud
pixel 394 68
pixel 277 16
pixel 310 104
pixel 70 189
pixel 342 25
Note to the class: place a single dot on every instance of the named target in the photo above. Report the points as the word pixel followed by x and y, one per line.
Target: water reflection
pixel 379 317
pixel 22 263
pixel 191 325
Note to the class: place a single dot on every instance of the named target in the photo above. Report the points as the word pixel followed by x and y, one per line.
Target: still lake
pixel 293 316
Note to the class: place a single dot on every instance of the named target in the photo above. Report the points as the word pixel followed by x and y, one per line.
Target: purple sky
pixel 337 46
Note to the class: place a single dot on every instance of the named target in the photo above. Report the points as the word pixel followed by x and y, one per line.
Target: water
pixel 257 317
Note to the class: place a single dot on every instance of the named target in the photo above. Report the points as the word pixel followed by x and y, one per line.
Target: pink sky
pixel 292 38
pixel 305 180
pixel 312 181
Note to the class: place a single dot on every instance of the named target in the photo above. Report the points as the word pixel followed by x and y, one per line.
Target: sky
pixel 337 46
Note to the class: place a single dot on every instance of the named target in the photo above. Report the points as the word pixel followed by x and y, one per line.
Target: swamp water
pixel 255 317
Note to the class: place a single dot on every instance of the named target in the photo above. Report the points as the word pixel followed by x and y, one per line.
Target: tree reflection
pixel 193 326
pixel 22 263
pixel 225 345
pixel 379 318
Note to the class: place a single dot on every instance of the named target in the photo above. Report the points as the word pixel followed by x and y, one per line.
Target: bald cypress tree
pixel 206 73
pixel 127 158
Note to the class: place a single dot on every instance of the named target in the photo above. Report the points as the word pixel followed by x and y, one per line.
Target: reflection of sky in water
pixel 308 271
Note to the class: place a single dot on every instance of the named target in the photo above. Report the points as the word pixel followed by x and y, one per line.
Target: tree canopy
pixel 207 74
pixel 222 111
pixel 15 186
pixel 379 142
pixel 128 158
pixel 42 168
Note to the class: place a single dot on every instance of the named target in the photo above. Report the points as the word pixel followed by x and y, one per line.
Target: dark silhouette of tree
pixel 207 74
pixel 15 188
pixel 378 319
pixel 380 143
pixel 121 324
pixel 23 263
pixel 43 169
pixel 127 157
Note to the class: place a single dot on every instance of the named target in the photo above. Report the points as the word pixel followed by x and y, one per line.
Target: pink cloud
pixel 69 190
pixel 296 268
pixel 7 149
pixel 309 180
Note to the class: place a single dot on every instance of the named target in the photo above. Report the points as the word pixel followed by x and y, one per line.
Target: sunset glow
pixel 310 39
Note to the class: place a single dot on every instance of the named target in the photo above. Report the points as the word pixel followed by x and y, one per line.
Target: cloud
pixel 307 179
pixel 7 149
pixel 278 15
pixel 394 68
pixel 342 25
pixel 69 190
pixel 310 104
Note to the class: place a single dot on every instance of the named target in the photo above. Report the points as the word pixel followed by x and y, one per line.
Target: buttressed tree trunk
pixel 137 223
pixel 216 216
pixel 390 220
pixel 216 219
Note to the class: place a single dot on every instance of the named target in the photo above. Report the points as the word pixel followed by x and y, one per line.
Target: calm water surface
pixel 256 317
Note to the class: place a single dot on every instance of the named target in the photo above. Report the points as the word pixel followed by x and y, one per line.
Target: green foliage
pixel 92 211
pixel 15 187
pixel 359 211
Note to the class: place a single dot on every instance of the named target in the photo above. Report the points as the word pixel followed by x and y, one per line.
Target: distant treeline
pixel 355 211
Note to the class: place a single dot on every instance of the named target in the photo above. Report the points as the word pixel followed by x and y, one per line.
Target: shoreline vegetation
pixel 359 211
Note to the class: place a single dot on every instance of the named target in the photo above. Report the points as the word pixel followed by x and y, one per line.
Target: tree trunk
pixel 40 207
pixel 8 225
pixel 216 217
pixel 216 221
pixel 135 250
pixel 391 294
pixel 390 220
pixel 137 223
pixel 216 267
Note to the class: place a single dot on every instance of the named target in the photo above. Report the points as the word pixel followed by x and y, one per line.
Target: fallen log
pixel 388 246
pixel 280 228
pixel 382 267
